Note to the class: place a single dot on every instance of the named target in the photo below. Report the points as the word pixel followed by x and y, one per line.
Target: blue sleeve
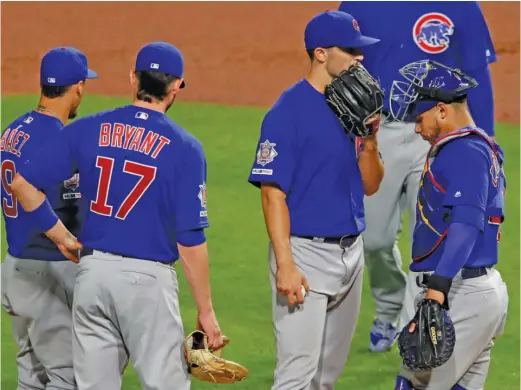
pixel 467 174
pixel 190 189
pixel 191 237
pixel 476 49
pixel 459 243
pixel 275 154
pixel 53 163
pixel 481 100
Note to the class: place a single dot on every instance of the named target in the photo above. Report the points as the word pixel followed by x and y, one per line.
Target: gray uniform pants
pixel 39 295
pixel 313 339
pixel 478 309
pixel 403 153
pixel 127 308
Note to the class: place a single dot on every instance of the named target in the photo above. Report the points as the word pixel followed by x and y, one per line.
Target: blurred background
pixel 239 57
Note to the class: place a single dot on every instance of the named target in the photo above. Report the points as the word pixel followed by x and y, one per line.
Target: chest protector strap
pixel 432 219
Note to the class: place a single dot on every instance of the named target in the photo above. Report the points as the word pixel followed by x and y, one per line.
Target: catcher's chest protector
pixel 432 219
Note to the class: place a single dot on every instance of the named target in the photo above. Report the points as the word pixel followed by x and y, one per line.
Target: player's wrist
pixel 439 284
pixel 205 310
pixel 369 144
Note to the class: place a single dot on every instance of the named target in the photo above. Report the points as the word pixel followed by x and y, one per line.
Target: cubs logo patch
pixel 432 32
pixel 202 195
pixel 266 153
pixel 72 183
pixel 355 25
pixel 495 169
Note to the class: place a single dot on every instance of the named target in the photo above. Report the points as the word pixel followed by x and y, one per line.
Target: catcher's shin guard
pixel 402 384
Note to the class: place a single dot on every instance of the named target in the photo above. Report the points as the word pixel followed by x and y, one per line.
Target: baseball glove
pixel 356 98
pixel 209 366
pixel 428 340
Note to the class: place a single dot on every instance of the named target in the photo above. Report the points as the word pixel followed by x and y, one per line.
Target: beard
pixel 73 113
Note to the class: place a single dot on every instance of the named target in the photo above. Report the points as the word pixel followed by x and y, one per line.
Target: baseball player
pixel 139 169
pixel 312 180
pixel 456 34
pixel 459 212
pixel 37 280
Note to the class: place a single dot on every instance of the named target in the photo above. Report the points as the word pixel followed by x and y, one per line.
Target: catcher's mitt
pixel 428 340
pixel 209 366
pixel 356 98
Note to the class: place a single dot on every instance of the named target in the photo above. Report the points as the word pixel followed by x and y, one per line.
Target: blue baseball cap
pixel 161 57
pixel 63 66
pixel 335 29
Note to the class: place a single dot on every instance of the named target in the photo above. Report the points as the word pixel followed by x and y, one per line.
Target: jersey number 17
pixel 146 174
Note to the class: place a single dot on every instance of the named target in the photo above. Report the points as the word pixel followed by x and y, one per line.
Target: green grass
pixel 238 253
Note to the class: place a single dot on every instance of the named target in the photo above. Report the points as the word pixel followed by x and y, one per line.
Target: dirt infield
pixel 242 53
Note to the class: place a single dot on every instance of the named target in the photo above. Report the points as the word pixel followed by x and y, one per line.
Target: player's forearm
pixel 276 217
pixel 26 194
pixel 461 239
pixel 371 166
pixel 194 260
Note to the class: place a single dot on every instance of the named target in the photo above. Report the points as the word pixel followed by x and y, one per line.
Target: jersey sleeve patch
pixel 202 199
pixel 266 153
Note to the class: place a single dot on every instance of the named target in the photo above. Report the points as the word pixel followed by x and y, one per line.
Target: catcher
pixel 208 365
pixel 317 156
pixel 460 208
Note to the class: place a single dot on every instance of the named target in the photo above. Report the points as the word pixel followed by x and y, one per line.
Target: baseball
pixel 303 290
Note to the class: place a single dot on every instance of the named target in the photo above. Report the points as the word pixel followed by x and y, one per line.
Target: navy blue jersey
pixel 21 141
pixel 304 150
pixel 453 33
pixel 143 180
pixel 465 171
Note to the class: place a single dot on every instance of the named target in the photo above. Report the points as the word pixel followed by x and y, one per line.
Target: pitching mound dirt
pixel 241 53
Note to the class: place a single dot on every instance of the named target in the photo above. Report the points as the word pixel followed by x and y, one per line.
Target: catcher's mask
pixel 427 83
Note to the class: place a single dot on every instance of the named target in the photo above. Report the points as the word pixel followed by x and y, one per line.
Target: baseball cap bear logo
pixel 355 25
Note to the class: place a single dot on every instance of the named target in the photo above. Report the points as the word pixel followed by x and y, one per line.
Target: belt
pixel 89 251
pixel 342 241
pixel 466 273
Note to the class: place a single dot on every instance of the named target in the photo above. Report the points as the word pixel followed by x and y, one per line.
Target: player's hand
pixel 66 242
pixel 290 282
pixel 207 322
pixel 436 295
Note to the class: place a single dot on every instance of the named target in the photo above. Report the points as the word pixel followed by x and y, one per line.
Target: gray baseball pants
pixel 403 152
pixel 39 295
pixel 478 309
pixel 313 339
pixel 127 308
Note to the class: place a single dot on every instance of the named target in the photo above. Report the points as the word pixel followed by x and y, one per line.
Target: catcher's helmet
pixel 427 82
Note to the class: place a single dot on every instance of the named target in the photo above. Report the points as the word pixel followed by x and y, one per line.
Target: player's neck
pixel 154 106
pixel 462 118
pixel 57 108
pixel 318 78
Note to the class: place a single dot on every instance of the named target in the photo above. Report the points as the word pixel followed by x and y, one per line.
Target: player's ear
pixel 133 79
pixel 175 86
pixel 79 88
pixel 442 110
pixel 321 54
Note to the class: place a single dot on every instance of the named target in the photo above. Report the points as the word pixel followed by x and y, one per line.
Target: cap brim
pixel 364 41
pixel 91 74
pixel 421 107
